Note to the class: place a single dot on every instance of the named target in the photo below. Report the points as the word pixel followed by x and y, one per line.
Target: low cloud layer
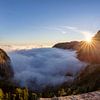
pixel 37 68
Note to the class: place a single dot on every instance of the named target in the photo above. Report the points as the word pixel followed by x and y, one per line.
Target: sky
pixel 47 21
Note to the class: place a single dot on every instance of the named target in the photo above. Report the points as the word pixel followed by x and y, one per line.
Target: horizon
pixel 47 21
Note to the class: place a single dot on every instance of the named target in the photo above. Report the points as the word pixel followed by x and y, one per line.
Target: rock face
pixel 6 70
pixel 67 45
pixel 90 52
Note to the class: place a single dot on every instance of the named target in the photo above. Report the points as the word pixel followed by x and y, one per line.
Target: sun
pixel 88 39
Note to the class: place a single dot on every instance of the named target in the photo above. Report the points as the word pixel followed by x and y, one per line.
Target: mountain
pixel 6 70
pixel 87 79
pixel 90 52
pixel 67 45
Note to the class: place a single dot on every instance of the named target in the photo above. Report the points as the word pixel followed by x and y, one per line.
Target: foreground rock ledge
pixel 86 96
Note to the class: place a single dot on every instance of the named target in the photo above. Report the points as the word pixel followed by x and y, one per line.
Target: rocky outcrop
pixel 6 70
pixel 67 45
pixel 86 96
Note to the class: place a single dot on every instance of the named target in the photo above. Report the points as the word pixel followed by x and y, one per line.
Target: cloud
pixel 58 29
pixel 37 68
pixel 69 29
pixel 14 47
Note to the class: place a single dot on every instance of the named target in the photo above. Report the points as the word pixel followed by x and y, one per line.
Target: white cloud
pixel 40 67
pixel 69 29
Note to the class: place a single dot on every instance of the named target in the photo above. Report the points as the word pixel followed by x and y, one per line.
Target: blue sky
pixel 47 21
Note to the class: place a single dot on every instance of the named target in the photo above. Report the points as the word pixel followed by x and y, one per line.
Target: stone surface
pixel 86 96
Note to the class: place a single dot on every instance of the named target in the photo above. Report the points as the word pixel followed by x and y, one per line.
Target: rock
pixel 86 96
pixel 67 45
pixel 6 70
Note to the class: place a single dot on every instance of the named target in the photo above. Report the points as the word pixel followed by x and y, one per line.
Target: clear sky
pixel 47 21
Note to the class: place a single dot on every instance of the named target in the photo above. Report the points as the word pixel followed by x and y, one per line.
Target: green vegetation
pixel 18 94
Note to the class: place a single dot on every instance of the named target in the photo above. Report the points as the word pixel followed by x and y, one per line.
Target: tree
pixel 25 93
pixel 1 94
pixel 62 92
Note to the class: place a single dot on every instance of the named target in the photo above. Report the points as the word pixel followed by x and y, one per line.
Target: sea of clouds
pixel 36 68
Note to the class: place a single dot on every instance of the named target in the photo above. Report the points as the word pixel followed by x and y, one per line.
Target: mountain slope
pixel 6 70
